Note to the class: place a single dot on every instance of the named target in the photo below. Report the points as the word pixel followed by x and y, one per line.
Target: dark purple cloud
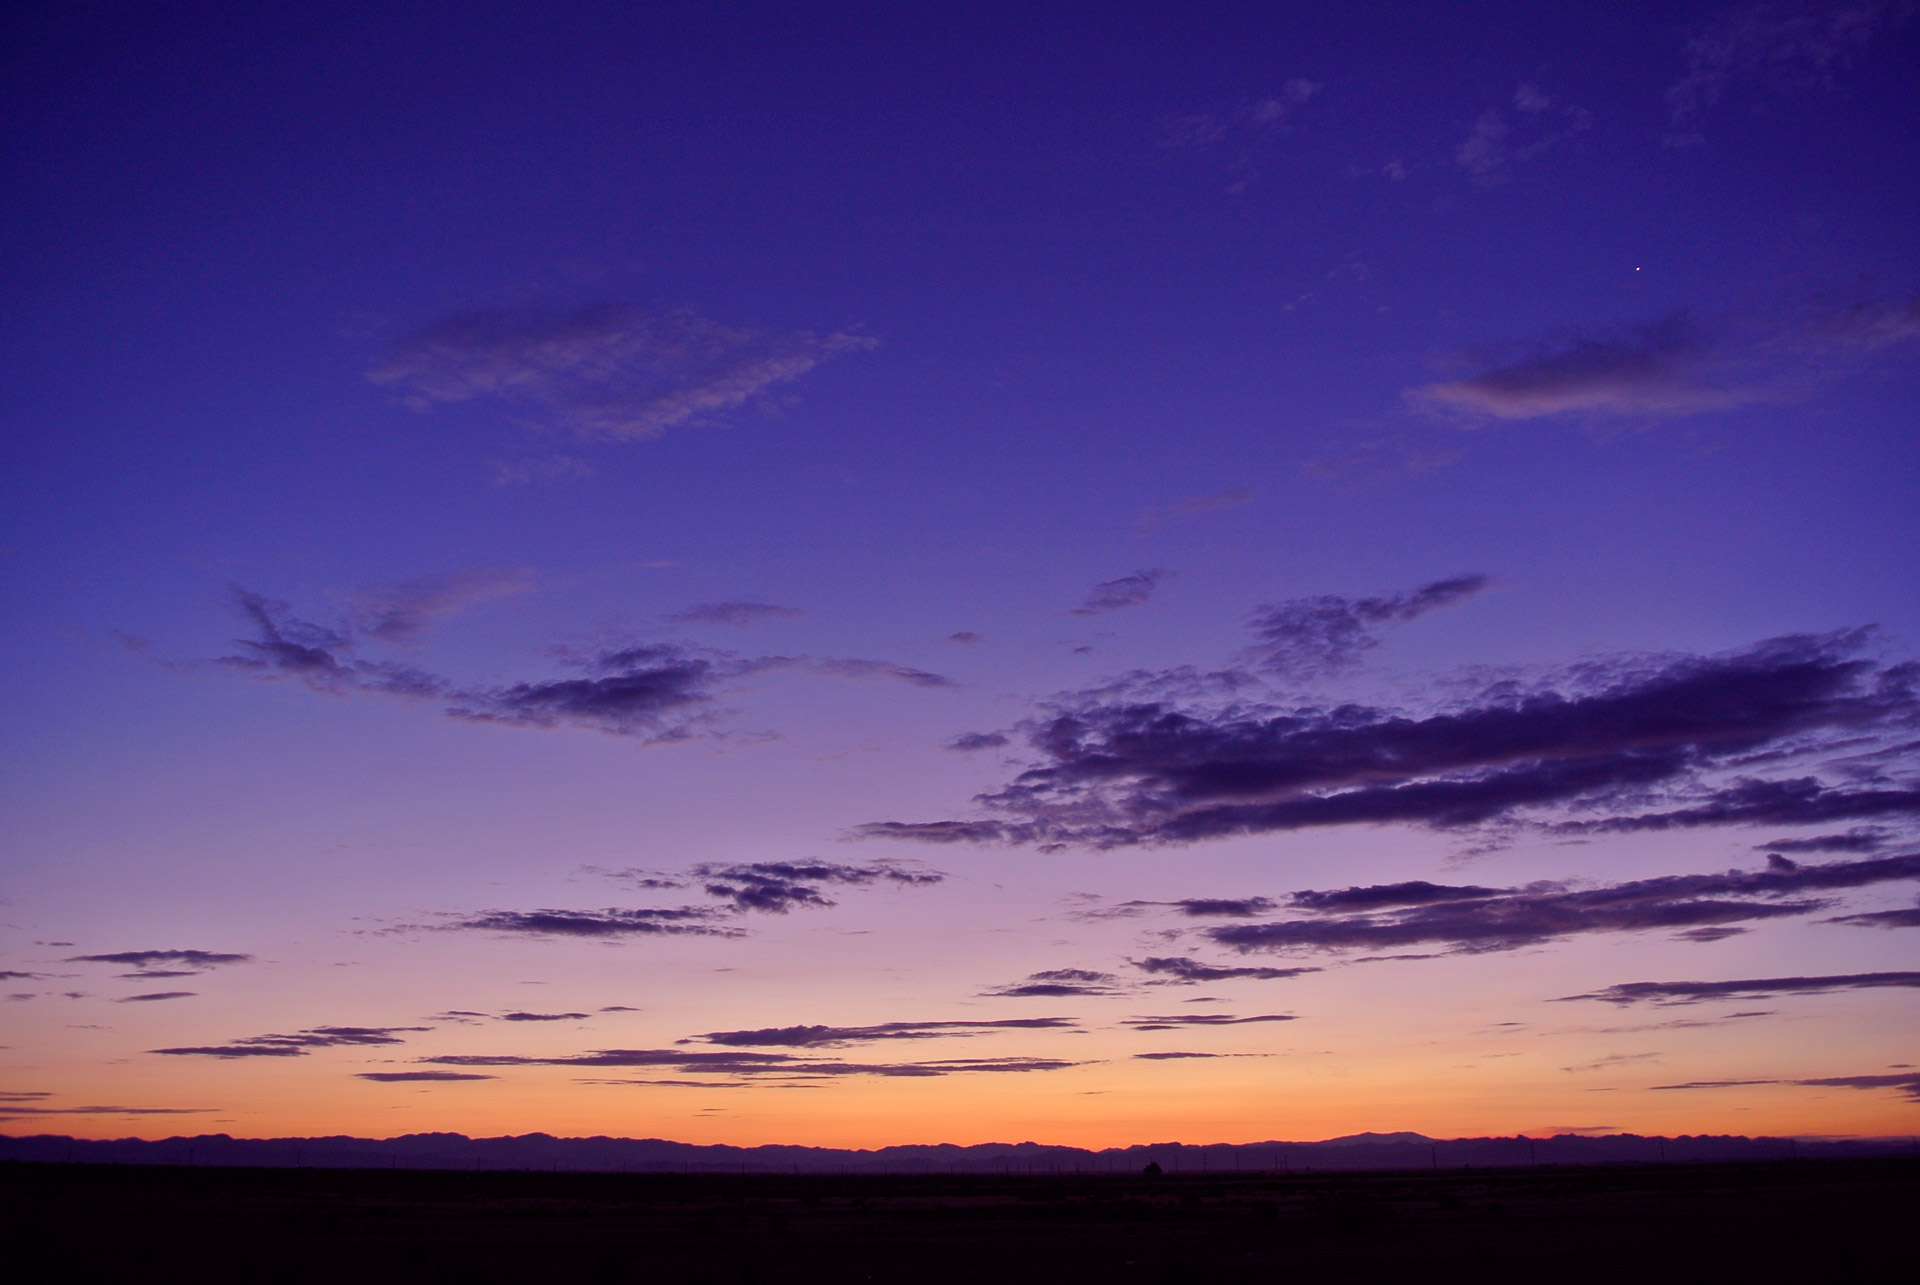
pixel 1908 917
pixel 842 1036
pixel 1168 1057
pixel 1308 636
pixel 1747 988
pixel 967 742
pixel 1480 919
pixel 544 1017
pixel 408 1077
pixel 152 996
pixel 1224 907
pixel 1186 972
pixel 1858 839
pixel 300 1043
pixel 1611 736
pixel 1179 1021
pixel 1125 591
pixel 1060 983
pixel 610 922
pixel 191 959
pixel 775 887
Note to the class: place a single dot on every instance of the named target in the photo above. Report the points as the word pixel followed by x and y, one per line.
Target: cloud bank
pixel 1615 744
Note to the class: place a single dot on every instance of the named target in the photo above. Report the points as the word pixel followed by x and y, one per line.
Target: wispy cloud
pixel 1183 971
pixel 735 614
pixel 1122 592
pixel 606 372
pixel 1303 637
pixel 1906 1083
pixel 1747 988
pixel 1498 140
pixel 1154 519
pixel 842 1036
pixel 612 922
pixel 1658 370
pixel 300 1043
pixel 1670 367
pixel 776 887
pixel 738 1065
pixel 657 693
pixel 405 611
pixel 1060 983
pixel 10 1111
pixel 1783 44
pixel 1183 1021
pixel 409 1077
pixel 1236 140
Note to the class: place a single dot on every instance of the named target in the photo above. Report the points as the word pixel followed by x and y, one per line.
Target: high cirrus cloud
pixel 1779 733
pixel 606 372
pixel 1474 919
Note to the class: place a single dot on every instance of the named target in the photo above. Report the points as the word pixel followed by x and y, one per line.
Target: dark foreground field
pixel 1812 1220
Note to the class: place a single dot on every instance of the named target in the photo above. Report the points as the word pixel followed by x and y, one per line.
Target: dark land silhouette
pixel 1826 1218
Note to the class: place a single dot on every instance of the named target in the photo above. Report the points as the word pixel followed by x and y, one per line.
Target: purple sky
pixel 618 564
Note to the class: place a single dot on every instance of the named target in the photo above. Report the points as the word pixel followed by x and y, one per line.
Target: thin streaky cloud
pixel 1782 44
pixel 735 614
pixel 843 1036
pixel 605 372
pixel 1122 592
pixel 1747 988
pixel 405 611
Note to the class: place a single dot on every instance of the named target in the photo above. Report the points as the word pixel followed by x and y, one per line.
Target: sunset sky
pixel 864 574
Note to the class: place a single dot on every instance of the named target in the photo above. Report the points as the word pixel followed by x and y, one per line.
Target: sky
pixel 866 574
